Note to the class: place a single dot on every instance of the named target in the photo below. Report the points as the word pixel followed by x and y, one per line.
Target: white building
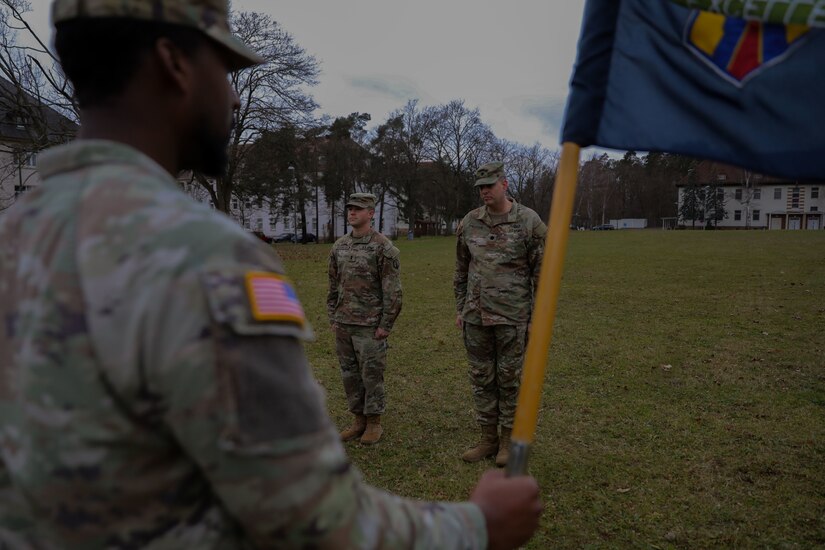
pixel 272 220
pixel 26 127
pixel 754 201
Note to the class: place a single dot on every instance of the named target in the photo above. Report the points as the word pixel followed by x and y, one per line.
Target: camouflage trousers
pixel 496 356
pixel 362 359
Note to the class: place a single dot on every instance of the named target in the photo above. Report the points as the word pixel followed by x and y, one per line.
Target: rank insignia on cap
pixel 273 298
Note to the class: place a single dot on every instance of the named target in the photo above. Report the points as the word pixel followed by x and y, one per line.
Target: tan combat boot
pixel 356 428
pixel 504 447
pixel 488 446
pixel 374 430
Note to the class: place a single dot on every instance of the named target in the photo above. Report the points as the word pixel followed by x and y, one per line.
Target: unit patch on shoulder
pixel 272 298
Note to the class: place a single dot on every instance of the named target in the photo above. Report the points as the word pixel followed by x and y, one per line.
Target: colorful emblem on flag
pixel 272 298
pixel 739 49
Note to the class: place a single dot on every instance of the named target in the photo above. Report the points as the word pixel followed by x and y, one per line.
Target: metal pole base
pixel 517 461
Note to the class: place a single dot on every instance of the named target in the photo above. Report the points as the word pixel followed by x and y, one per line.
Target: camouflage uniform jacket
pixel 497 266
pixel 364 284
pixel 143 404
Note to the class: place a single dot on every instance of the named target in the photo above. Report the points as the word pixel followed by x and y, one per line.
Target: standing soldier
pixel 363 302
pixel 154 392
pixel 498 257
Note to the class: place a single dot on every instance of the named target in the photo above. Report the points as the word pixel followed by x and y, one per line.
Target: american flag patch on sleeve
pixel 273 298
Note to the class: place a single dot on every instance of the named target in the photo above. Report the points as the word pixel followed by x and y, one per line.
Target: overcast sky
pixel 512 59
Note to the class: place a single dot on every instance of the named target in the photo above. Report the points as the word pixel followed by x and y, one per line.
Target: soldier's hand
pixel 381 334
pixel 511 506
pixel 458 321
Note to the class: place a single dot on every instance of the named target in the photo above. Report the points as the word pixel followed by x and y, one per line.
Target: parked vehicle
pixel 262 236
pixel 309 238
pixel 286 238
pixel 603 227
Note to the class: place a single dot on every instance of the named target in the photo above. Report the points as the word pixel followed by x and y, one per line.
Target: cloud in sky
pixel 549 112
pixel 393 87
pixel 511 60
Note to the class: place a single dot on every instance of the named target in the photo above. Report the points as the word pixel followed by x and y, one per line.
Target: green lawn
pixel 685 400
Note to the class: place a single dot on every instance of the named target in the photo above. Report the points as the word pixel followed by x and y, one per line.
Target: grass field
pixel 685 400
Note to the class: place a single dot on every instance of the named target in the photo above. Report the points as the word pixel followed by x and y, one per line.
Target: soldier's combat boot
pixel 356 428
pixel 488 446
pixel 504 447
pixel 373 431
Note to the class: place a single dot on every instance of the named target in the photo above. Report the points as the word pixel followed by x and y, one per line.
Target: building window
pixel 738 194
pixel 814 209
pixel 757 193
pixel 721 177
pixel 720 193
pixel 814 192
pixel 31 160
pixel 777 192
pixel 756 215
pixel 259 224
pixel 260 203
pixel 234 204
pixel 795 197
pixel 737 215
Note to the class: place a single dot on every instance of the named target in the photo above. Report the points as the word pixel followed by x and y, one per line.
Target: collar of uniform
pixel 363 239
pixel 89 152
pixel 484 215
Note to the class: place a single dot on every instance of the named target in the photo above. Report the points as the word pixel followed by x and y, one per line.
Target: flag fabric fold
pixel 657 76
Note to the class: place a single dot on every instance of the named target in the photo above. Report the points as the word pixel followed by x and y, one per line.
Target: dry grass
pixel 685 401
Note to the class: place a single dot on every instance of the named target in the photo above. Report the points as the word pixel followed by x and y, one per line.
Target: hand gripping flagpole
pixel 544 311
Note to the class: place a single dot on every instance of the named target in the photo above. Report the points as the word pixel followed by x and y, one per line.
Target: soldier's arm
pixel 241 401
pixel 389 266
pixel 535 251
pixel 462 266
pixel 332 293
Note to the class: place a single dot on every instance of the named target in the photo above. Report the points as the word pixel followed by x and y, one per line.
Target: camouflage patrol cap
pixel 209 16
pixel 489 173
pixel 362 200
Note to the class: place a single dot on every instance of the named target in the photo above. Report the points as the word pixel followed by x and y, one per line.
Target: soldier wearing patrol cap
pixel 154 391
pixel 363 302
pixel 498 258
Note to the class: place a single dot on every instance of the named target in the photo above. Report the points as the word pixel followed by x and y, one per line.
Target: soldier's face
pixel 495 193
pixel 359 217
pixel 214 108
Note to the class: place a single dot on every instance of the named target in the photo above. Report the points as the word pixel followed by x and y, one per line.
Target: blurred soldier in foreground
pixel 153 388
pixel 498 258
pixel 363 302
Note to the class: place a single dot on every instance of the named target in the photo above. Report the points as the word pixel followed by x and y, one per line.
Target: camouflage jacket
pixel 364 283
pixel 497 266
pixel 150 396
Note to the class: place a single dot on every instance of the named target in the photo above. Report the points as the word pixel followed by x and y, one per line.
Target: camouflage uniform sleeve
pixel 243 404
pixel 462 266
pixel 389 266
pixel 332 294
pixel 535 252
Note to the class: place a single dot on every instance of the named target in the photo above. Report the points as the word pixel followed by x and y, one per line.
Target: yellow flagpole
pixel 544 310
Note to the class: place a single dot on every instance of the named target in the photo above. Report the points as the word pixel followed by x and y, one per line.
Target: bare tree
pixel 36 107
pixel 273 95
pixel 458 142
pixel 399 147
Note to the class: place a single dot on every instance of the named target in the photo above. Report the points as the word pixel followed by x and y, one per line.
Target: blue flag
pixel 652 75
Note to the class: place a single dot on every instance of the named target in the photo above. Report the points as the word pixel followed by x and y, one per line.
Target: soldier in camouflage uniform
pixel 363 302
pixel 498 257
pixel 154 392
